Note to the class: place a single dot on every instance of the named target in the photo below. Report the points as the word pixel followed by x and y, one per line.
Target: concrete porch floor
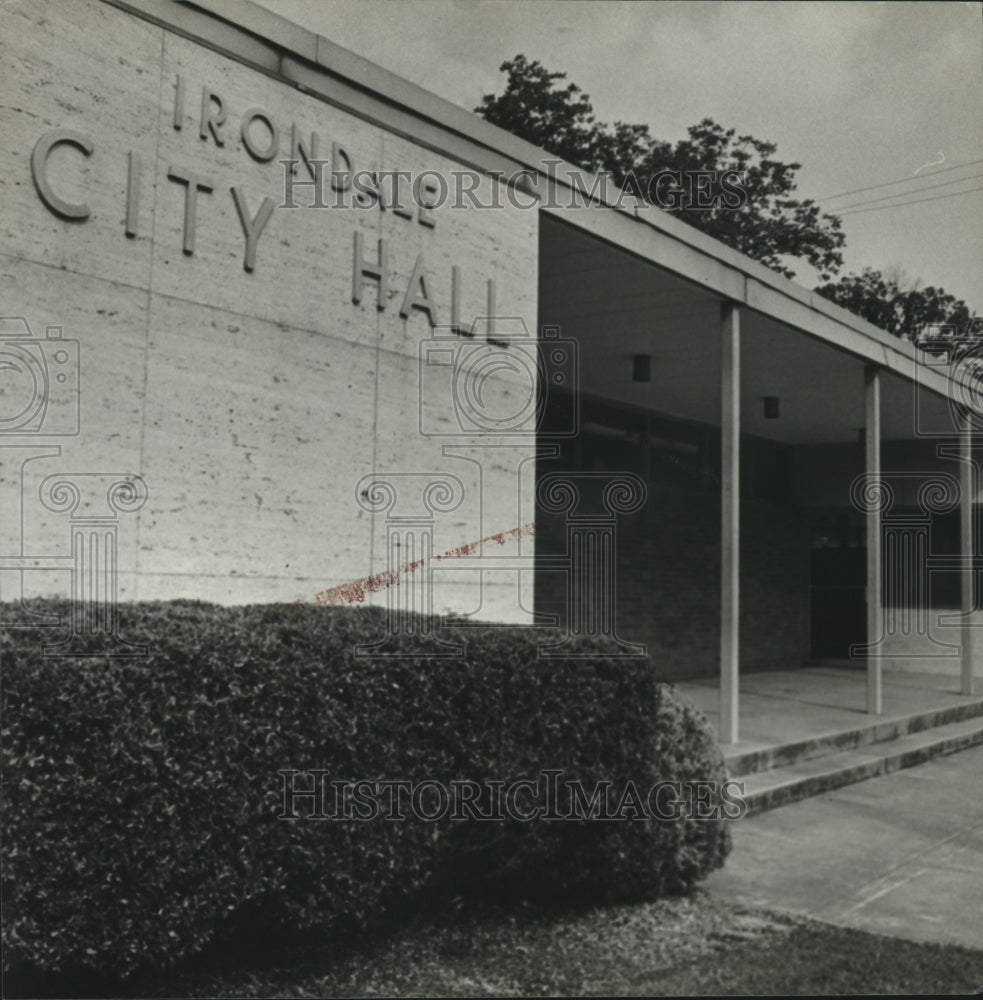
pixel 788 706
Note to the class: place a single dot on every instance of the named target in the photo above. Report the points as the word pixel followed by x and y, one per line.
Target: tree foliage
pixel 771 226
pixel 898 305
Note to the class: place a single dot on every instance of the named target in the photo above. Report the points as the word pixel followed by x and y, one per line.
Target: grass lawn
pixel 669 948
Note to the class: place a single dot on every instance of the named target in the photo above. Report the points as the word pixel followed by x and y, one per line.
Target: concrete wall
pixel 252 402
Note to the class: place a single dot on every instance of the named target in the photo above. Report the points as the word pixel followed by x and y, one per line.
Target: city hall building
pixel 280 326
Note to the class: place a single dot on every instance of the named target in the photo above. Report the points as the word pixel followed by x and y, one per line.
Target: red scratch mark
pixel 354 592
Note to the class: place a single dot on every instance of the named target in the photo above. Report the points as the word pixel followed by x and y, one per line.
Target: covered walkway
pixel 790 391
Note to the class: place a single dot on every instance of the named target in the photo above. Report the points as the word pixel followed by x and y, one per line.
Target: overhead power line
pixel 905 194
pixel 916 201
pixel 902 180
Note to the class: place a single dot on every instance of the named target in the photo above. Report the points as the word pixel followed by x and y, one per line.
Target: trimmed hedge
pixel 140 797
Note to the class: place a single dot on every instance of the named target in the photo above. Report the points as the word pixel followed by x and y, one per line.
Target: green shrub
pixel 140 797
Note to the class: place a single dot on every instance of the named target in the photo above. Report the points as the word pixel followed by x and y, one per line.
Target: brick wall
pixel 668 580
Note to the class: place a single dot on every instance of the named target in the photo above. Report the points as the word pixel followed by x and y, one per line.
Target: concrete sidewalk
pixel 900 855
pixel 782 706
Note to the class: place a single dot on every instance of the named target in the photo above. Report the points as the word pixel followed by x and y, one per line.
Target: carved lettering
pixel 193 184
pixel 179 102
pixel 456 326
pixel 261 153
pixel 252 227
pixel 341 167
pixel 396 199
pixel 212 115
pixel 398 191
pixel 302 154
pixel 132 193
pixel 362 268
pixel 418 295
pixel 39 166
pixel 429 190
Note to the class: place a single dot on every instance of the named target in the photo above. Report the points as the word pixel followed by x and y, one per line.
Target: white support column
pixel 966 547
pixel 730 507
pixel 875 611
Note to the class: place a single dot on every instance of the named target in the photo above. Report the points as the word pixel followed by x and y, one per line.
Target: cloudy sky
pixel 861 94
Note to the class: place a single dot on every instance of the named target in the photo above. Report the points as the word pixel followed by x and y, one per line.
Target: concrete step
pixel 769 789
pixel 879 731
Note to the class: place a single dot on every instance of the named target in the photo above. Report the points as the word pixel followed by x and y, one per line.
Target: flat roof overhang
pixel 616 303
